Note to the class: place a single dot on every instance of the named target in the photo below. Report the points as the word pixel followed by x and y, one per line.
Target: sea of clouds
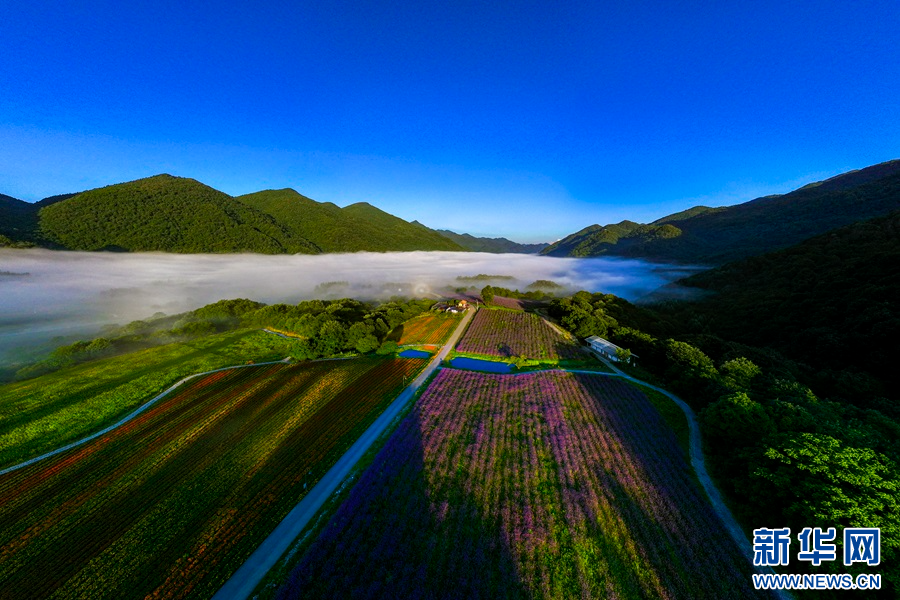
pixel 45 293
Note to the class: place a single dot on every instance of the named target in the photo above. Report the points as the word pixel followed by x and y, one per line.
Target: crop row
pixel 171 503
pixel 427 329
pixel 506 334
pixel 548 484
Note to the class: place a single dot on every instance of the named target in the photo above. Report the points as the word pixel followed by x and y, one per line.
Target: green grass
pixel 585 364
pixel 44 413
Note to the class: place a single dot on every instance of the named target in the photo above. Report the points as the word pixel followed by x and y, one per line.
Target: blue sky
pixel 524 119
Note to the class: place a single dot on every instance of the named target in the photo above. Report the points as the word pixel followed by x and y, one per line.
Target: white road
pixel 131 415
pixel 248 576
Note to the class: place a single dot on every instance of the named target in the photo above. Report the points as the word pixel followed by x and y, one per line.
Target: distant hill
pixel 18 221
pixel 176 214
pixel 354 228
pixel 832 300
pixel 165 213
pixel 493 245
pixel 719 235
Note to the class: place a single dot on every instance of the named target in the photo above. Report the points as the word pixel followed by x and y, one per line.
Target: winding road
pixel 132 414
pixel 248 576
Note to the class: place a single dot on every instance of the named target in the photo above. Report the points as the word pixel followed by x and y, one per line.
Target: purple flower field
pixel 506 334
pixel 544 485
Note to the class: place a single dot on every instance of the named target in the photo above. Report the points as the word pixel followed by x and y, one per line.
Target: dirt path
pixel 248 576
pixel 131 415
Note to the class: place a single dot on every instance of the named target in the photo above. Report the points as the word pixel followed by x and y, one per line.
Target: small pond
pixel 415 354
pixel 476 364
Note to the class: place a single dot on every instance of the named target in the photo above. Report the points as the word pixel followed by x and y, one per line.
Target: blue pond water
pixel 476 364
pixel 415 354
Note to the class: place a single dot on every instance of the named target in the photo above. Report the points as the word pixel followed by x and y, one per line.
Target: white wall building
pixel 604 347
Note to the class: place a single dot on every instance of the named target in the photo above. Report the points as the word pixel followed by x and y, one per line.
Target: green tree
pixel 331 338
pixel 739 373
pixel 736 421
pixel 487 294
pixel 623 355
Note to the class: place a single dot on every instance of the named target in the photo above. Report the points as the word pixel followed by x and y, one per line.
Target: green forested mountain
pixel 351 229
pixel 166 213
pixel 494 245
pixel 619 239
pixel 18 221
pixel 175 214
pixel 832 301
pixel 719 235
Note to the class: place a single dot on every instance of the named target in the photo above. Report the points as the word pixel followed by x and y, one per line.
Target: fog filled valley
pixel 47 294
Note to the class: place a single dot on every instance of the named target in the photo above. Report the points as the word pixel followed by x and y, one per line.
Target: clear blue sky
pixel 542 117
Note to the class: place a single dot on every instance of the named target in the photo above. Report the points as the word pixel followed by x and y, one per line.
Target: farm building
pixel 606 348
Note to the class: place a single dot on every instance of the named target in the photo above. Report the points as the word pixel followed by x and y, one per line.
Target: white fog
pixel 44 293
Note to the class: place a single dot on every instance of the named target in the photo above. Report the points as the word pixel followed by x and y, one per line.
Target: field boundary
pixel 243 582
pixel 133 414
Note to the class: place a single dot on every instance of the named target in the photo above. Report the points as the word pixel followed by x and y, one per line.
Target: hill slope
pixel 165 213
pixel 18 221
pixel 833 300
pixel 720 235
pixel 494 245
pixel 359 227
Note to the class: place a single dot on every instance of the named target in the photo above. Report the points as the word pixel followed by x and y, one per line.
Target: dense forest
pixel 167 213
pixel 353 228
pixel 787 448
pixel 176 214
pixel 832 303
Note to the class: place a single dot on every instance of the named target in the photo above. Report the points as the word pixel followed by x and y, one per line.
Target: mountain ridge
pixel 718 235
pixel 498 245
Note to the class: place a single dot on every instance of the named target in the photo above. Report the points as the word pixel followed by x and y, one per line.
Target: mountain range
pixel 176 214
pixel 714 236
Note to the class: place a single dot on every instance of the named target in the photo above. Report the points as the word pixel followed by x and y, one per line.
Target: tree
pixel 815 480
pixel 738 373
pixel 623 355
pixel 487 294
pixel 331 338
pixel 736 421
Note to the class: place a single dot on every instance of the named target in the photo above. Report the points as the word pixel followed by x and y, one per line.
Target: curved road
pixel 248 576
pixel 131 415
pixel 699 464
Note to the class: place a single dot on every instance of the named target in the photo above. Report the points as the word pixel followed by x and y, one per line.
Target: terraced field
pixel 544 485
pixel 171 503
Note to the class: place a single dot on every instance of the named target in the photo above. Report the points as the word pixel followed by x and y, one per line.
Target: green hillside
pixel 831 301
pixel 358 227
pixel 494 245
pixel 618 239
pixel 720 235
pixel 165 213
pixel 18 221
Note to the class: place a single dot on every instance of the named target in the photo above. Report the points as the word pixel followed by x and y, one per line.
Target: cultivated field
pixel 506 333
pixel 549 485
pixel 47 412
pixel 426 329
pixel 171 503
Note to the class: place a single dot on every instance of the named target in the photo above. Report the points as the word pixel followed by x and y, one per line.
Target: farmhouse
pixel 606 348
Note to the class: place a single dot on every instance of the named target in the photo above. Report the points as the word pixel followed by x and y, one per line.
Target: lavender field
pixel 545 485
pixel 506 334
